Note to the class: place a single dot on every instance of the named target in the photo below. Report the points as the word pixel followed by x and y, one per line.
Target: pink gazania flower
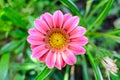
pixel 56 39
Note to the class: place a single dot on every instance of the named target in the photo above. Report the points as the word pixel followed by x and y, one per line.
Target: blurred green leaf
pixel 88 6
pixel 91 15
pixel 43 74
pixel 4 65
pixel 5 26
pixel 114 32
pixel 115 77
pixel 15 17
pixel 18 33
pixel 66 76
pixel 19 77
pixel 101 15
pixel 2 3
pixel 97 72
pixel 86 75
pixel 10 46
pixel 24 66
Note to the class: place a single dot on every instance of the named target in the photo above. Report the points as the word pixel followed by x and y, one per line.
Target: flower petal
pixel 71 24
pixel 80 40
pixel 43 58
pixel 69 57
pixel 50 59
pixel 59 61
pixel 77 32
pixel 48 19
pixel 41 26
pixel 67 17
pixel 34 31
pixel 58 19
pixel 39 51
pixel 35 38
pixel 77 49
pixel 35 42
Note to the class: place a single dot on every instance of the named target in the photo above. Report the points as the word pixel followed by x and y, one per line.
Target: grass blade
pixel 4 65
pixel 94 66
pixel 66 76
pixel 102 15
pixel 42 75
pixel 86 75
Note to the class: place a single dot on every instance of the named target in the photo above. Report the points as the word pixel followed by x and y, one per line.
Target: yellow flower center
pixel 57 40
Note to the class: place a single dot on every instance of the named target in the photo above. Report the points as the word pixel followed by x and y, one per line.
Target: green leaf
pixel 18 33
pixel 24 66
pixel 10 46
pixel 91 15
pixel 74 9
pixel 66 76
pixel 15 17
pixel 115 77
pixel 43 74
pixel 19 77
pixel 101 15
pixel 96 71
pixel 116 31
pixel 88 6
pixel 86 75
pixel 4 64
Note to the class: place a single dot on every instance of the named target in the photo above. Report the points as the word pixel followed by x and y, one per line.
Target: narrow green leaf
pixel 94 66
pixel 24 66
pixel 88 18
pixel 88 6
pixel 102 15
pixel 116 31
pixel 10 46
pixel 4 65
pixel 66 76
pixel 43 74
pixel 96 34
pixel 74 9
pixel 86 75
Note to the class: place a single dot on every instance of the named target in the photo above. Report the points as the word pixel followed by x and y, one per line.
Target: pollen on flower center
pixel 57 40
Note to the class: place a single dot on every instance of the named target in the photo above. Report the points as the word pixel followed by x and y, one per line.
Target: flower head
pixel 110 65
pixel 56 39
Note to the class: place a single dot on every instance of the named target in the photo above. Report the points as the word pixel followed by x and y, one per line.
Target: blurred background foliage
pixel 100 17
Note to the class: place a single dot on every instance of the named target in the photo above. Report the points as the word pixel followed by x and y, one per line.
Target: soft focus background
pixel 101 19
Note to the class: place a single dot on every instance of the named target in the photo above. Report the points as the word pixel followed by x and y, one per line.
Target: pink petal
pixel 39 51
pixel 41 26
pixel 51 59
pixel 35 32
pixel 43 58
pixel 35 38
pixel 59 61
pixel 48 19
pixel 80 40
pixel 77 32
pixel 67 17
pixel 35 42
pixel 69 57
pixel 58 19
pixel 77 49
pixel 71 24
pixel 33 46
